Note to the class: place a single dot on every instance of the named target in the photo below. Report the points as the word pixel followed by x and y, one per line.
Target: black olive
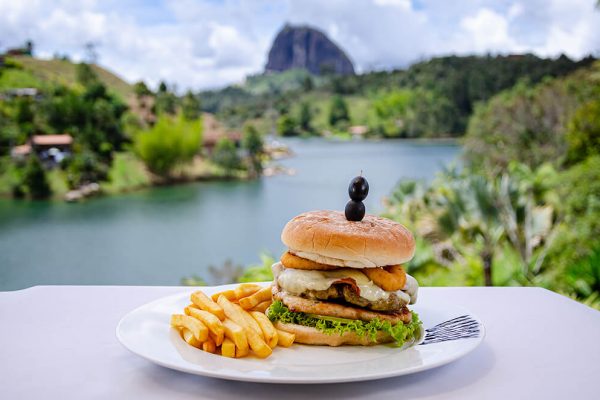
pixel 355 210
pixel 358 189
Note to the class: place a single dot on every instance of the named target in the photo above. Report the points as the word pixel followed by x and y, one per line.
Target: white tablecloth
pixel 58 342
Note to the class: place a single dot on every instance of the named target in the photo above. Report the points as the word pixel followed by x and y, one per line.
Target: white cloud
pixel 203 43
pixel 486 30
pixel 515 10
pixel 405 4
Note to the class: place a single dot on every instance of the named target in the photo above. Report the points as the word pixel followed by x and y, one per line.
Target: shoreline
pixel 190 178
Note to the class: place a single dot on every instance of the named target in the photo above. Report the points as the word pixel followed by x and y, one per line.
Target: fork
pixel 462 327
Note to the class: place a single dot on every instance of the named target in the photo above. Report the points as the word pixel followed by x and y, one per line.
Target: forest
pixel 433 98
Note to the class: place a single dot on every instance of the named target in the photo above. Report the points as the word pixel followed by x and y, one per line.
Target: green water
pixel 158 236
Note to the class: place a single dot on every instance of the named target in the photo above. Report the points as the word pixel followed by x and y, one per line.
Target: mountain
pixel 63 72
pixel 303 47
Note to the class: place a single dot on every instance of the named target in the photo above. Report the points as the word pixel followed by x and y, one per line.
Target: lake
pixel 160 235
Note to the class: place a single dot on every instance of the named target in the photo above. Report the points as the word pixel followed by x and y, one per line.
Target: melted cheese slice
pixel 297 281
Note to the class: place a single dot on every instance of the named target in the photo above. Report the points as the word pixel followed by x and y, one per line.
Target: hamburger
pixel 341 282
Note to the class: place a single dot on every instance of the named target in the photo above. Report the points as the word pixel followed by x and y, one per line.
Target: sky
pixel 203 44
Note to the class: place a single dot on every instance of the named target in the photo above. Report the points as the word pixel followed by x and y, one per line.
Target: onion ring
pixel 390 278
pixel 290 260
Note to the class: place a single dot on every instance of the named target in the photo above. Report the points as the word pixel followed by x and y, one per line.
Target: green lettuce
pixel 338 326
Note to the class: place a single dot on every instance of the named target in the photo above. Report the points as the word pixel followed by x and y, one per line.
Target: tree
pixel 85 75
pixel 338 111
pixel 85 167
pixel 140 89
pixel 529 124
pixel 307 83
pixel 190 106
pixel 254 145
pixel 170 142
pixel 225 155
pixel 93 117
pixel 476 215
pixel 286 126
pixel 162 87
pixel 392 109
pixel 24 115
pixel 583 133
pixel 166 101
pixel 305 117
pixel 574 253
pixel 35 180
pixel 469 211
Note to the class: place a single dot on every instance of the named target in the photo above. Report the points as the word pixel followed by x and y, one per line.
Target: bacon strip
pixel 351 282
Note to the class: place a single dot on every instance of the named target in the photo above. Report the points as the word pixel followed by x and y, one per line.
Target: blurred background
pixel 168 142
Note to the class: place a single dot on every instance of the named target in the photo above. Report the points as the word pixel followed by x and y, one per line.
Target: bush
pixel 305 117
pixel 583 133
pixel 190 106
pixel 253 143
pixel 286 126
pixel 338 111
pixel 84 167
pixel 578 196
pixel 225 155
pixel 259 272
pixel 140 89
pixel 85 75
pixel 34 179
pixel 170 142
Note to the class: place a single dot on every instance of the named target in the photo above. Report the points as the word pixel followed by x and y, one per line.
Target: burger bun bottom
pixel 310 335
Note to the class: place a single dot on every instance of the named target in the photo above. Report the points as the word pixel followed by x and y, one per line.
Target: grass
pixel 15 78
pixel 126 173
pixel 63 72
pixel 58 183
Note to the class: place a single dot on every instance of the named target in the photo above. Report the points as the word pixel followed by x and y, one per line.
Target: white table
pixel 58 342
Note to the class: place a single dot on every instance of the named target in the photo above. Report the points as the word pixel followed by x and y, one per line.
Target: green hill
pixel 281 82
pixel 35 72
pixel 440 94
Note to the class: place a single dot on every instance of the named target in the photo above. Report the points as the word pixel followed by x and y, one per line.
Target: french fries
pixel 235 333
pixel 209 346
pixel 228 348
pixel 256 298
pixel 251 329
pixel 285 338
pixel 246 289
pixel 197 328
pixel 262 307
pixel 230 294
pixel 205 303
pixel 211 321
pixel 268 330
pixel 231 323
pixel 251 322
pixel 189 337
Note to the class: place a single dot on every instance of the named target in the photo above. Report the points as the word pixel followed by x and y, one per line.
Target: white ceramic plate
pixel 146 332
